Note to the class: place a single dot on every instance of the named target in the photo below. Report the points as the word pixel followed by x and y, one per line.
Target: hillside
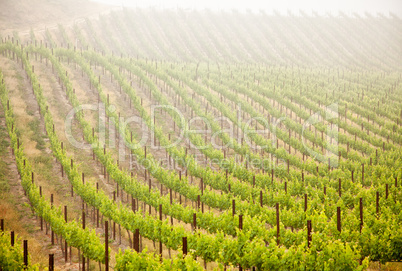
pixel 247 141
pixel 22 15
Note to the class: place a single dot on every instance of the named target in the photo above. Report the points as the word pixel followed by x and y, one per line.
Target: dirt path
pixel 14 205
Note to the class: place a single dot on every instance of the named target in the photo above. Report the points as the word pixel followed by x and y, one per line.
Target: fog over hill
pixel 293 6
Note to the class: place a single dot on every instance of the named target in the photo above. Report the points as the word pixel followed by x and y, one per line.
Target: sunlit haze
pixel 322 7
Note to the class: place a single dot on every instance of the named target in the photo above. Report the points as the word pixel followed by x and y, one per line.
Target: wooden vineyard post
pixel 51 262
pixel 340 187
pixel 2 225
pixel 160 242
pixel 305 202
pixel 12 238
pixel 137 240
pixel 185 246
pixel 194 221
pixel 52 233
pixel 362 174
pixel 286 187
pixel 233 207
pixel 277 223
pixel 149 184
pixel 106 246
pixel 114 222
pixel 352 176
pixel 26 253
pixel 338 218
pixel 83 227
pixel 308 232
pixel 83 219
pixel 65 241
pixel 361 213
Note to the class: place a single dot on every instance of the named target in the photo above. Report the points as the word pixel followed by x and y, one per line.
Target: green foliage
pixel 131 260
pixel 255 245
pixel 12 257
pixel 37 136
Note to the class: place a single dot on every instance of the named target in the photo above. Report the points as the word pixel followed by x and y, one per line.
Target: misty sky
pixel 320 6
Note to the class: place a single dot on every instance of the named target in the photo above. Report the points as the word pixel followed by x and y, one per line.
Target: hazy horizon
pixel 321 7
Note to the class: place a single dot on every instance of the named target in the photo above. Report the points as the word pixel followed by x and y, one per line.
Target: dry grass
pixel 13 205
pixel 376 266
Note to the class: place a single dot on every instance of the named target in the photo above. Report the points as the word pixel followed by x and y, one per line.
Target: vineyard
pixel 198 140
